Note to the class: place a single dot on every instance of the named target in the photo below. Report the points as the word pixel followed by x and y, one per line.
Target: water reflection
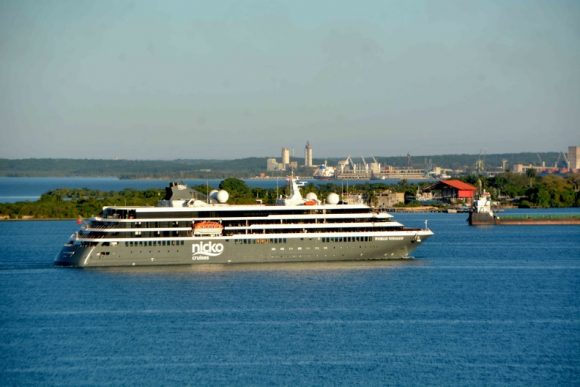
pixel 267 267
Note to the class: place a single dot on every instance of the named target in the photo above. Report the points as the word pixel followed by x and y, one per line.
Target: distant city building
pixel 523 168
pixel 308 155
pixel 520 168
pixel 285 156
pixel 389 199
pixel 271 165
pixel 353 198
pixel 452 191
pixel 574 157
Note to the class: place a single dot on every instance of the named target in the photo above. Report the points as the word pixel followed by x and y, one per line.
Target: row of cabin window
pixel 347 239
pixel 249 221
pixel 131 214
pixel 307 230
pixel 155 243
pixel 260 241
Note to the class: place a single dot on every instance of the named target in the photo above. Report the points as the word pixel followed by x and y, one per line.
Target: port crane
pixel 542 162
pixel 365 164
pixel 343 163
pixel 566 160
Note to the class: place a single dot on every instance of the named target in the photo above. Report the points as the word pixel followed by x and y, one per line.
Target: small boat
pixel 207 228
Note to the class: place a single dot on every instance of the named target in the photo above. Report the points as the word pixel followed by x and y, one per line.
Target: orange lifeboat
pixel 207 228
pixel 310 203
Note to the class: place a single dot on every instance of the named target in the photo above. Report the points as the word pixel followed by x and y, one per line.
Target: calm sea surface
pixel 478 306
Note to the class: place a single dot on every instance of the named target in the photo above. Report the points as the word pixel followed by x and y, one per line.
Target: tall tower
pixel 285 156
pixel 574 157
pixel 308 155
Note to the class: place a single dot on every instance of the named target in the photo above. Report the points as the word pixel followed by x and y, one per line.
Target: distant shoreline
pixel 247 168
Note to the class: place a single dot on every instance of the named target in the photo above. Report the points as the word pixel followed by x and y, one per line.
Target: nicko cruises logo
pixel 206 250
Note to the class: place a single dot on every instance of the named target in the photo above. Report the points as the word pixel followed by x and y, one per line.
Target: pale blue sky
pixel 229 79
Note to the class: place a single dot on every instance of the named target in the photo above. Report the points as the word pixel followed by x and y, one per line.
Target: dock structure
pixel 390 172
pixel 476 219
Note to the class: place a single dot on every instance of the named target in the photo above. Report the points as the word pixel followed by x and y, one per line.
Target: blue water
pixel 16 189
pixel 478 306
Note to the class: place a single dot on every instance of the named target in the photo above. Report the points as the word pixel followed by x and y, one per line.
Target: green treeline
pixel 132 169
pixel 531 190
pixel 75 202
pixel 509 188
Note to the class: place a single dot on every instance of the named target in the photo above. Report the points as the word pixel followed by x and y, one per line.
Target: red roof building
pixel 452 191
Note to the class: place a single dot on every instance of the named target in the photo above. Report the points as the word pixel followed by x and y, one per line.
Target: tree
pixel 531 174
pixel 238 190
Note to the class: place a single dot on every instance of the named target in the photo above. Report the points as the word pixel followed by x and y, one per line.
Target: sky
pixel 233 79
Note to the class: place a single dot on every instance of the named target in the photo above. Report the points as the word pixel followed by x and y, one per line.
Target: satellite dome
pixel 213 194
pixel 223 196
pixel 332 198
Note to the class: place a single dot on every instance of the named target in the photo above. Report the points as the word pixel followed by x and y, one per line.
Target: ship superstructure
pixel 189 228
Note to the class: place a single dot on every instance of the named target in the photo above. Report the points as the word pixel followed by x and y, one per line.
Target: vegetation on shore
pixel 521 190
pixel 532 190
pixel 77 202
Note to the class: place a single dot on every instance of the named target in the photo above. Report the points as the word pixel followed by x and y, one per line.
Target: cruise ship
pixel 189 228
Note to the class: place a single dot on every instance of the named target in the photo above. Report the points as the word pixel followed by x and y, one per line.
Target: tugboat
pixel 481 214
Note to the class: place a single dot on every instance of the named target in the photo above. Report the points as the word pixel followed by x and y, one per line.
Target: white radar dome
pixel 311 196
pixel 213 194
pixel 223 196
pixel 332 198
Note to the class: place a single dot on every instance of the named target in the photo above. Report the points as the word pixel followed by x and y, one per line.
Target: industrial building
pixel 388 199
pixel 272 165
pixel 574 157
pixel 451 191
pixel 308 155
pixel 285 156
